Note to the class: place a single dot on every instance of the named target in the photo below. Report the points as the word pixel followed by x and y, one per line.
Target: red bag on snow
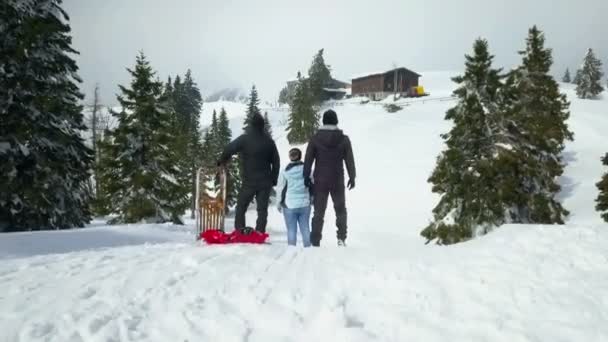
pixel 219 237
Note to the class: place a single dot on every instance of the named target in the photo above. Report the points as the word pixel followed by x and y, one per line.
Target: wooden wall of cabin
pixel 372 84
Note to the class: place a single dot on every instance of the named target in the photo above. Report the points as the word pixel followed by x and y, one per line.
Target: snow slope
pixel 153 283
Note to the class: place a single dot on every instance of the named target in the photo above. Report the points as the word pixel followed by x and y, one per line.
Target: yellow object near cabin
pixel 419 90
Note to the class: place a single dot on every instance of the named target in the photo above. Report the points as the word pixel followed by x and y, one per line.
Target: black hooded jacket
pixel 329 149
pixel 259 158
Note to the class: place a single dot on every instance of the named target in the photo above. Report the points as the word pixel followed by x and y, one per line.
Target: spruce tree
pixel 589 77
pixel 267 125
pixel 45 165
pixel 567 78
pixel 602 198
pixel 252 107
pixel 303 118
pixel 319 76
pixel 108 173
pixel 233 182
pixel 466 174
pixel 215 138
pixel 168 91
pixel 187 104
pixel 539 115
pixel 207 155
pixel 145 186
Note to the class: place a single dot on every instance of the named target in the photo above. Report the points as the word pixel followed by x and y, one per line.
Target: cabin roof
pixel 370 74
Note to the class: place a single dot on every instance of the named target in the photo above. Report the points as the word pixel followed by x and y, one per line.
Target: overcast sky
pixel 240 42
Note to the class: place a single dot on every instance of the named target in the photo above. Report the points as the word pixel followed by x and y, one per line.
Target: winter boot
pixel 341 243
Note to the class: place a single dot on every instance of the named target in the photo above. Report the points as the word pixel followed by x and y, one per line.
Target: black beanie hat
pixel 330 118
pixel 257 122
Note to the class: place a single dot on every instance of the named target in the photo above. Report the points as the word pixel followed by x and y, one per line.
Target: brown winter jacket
pixel 329 149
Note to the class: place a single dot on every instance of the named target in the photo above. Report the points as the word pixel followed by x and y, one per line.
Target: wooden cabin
pixel 378 86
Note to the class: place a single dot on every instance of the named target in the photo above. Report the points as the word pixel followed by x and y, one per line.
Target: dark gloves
pixel 307 182
pixel 274 182
pixel 351 184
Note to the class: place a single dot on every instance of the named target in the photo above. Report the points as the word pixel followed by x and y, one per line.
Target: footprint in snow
pixel 89 293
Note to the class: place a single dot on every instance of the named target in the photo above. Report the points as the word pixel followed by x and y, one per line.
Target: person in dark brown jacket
pixel 329 149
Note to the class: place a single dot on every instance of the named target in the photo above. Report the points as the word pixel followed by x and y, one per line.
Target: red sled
pixel 218 237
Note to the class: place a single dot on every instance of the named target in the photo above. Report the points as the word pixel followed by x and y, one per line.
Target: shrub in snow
pixel 44 163
pixel 392 108
pixel 602 198
pixel 588 79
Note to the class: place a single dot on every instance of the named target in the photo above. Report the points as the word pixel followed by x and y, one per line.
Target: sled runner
pixel 210 210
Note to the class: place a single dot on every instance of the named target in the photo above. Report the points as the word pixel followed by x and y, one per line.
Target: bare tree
pixel 94 125
pixel 395 81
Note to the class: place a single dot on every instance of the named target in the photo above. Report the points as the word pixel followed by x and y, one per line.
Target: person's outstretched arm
pixel 276 164
pixel 231 149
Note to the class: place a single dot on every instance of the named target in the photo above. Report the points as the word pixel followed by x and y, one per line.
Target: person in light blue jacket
pixel 295 199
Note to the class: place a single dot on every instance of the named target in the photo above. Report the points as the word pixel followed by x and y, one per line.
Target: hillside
pixel 154 283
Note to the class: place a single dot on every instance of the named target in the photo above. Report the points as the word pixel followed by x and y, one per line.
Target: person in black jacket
pixel 260 165
pixel 329 149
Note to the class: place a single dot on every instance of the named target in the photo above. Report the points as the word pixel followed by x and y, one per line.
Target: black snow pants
pixel 246 195
pixel 321 194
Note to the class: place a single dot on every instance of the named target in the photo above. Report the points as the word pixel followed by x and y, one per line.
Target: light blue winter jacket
pixel 291 189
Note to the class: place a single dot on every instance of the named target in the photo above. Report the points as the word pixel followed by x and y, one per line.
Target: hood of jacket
pixel 329 136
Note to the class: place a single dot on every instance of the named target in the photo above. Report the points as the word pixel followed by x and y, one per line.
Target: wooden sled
pixel 210 210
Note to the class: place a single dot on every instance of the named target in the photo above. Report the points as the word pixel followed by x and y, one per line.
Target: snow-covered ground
pixel 154 283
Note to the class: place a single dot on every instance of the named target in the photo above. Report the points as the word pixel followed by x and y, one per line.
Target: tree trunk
pixel 194 199
pixel 94 119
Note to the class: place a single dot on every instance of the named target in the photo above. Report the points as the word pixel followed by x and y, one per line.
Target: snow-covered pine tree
pixel 145 186
pixel 539 118
pixel 168 91
pixel 108 171
pixel 303 118
pixel 319 76
pixel 589 77
pixel 252 107
pixel 567 78
pixel 45 165
pixel 187 102
pixel 215 136
pixel 466 173
pixel 207 155
pixel 267 125
pixel 602 198
pixel 234 178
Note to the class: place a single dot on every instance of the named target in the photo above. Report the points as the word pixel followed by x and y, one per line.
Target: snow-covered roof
pixel 380 73
pixel 339 90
